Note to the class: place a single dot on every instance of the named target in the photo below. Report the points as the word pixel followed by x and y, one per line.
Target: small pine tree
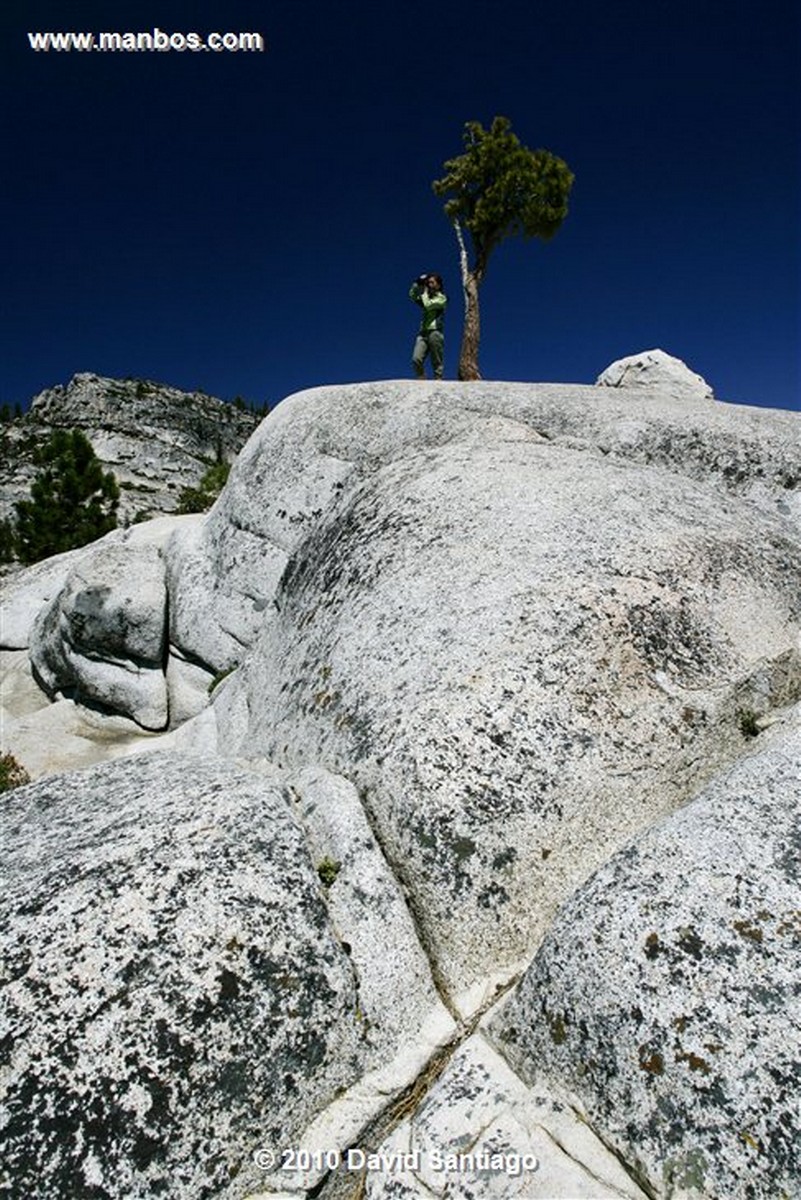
pixel 73 501
pixel 498 189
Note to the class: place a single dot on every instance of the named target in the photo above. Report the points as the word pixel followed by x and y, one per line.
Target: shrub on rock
pixel 12 773
pixel 199 499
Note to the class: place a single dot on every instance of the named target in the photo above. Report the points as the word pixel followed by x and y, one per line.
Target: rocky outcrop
pixel 27 591
pixel 479 639
pixel 665 996
pixel 320 444
pixel 176 992
pixel 104 634
pixel 95 620
pixel 156 439
pixel 656 370
pixel 517 685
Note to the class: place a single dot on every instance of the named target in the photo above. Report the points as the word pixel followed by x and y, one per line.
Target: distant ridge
pixel 156 439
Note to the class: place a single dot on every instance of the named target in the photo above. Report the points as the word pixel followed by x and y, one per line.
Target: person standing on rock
pixel 430 342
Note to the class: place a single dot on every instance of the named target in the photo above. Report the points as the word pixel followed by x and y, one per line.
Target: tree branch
pixel 462 256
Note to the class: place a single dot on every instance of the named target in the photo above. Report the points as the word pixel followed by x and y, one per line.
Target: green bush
pixel 749 723
pixel 201 498
pixel 12 773
pixel 328 869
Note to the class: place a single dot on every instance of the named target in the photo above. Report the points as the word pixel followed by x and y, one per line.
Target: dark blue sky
pixel 250 223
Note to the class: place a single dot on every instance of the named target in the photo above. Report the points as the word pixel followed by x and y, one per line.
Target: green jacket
pixel 433 308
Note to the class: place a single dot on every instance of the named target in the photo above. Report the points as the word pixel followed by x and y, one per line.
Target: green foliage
pixel 8 541
pixel 498 188
pixel 201 498
pixel 748 721
pixel 328 869
pixel 73 501
pixel 12 773
pixel 242 405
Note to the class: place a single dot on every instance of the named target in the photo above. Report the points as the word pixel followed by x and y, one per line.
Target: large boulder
pixel 665 997
pixel 522 654
pixel 315 445
pixel 178 991
pixel 104 634
pixel 95 619
pixel 30 589
pixel 657 371
pixel 175 994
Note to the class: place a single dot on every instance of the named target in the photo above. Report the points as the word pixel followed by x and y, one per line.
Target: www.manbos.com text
pixel 155 39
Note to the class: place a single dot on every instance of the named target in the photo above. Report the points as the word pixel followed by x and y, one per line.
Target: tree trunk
pixel 468 355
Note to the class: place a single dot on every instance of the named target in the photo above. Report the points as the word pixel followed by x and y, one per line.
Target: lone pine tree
pixel 498 188
pixel 72 502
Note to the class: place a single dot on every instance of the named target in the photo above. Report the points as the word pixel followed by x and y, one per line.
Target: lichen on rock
pixel 665 995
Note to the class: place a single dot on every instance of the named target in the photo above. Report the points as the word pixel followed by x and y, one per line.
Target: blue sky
pixel 250 223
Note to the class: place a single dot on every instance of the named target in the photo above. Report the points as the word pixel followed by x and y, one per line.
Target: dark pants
pixel 431 345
